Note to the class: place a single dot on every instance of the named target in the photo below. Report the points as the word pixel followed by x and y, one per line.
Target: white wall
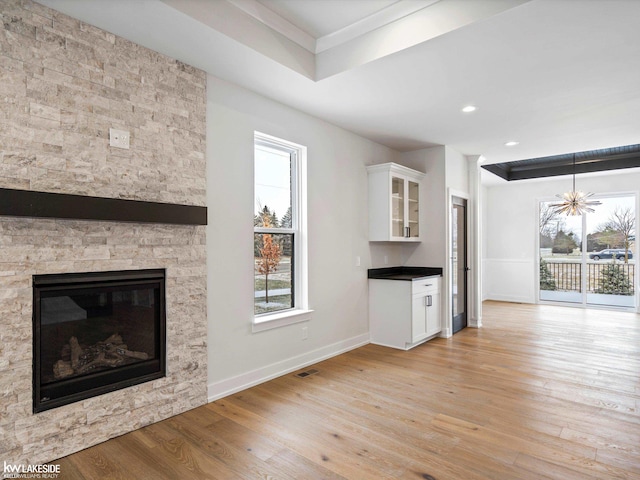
pixel 447 172
pixel 457 171
pixel 338 229
pixel 446 169
pixel 510 229
pixel 430 252
pixel 484 216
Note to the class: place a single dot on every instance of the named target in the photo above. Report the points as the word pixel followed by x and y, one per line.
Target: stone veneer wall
pixel 63 84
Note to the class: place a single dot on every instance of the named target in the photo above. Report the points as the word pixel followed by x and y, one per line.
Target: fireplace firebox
pixel 96 332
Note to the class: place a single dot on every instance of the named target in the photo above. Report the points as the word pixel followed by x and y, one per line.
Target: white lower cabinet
pixel 403 314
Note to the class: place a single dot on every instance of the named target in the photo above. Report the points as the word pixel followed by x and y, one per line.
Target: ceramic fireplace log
pixel 76 351
pixel 111 353
pixel 132 354
pixel 100 361
pixel 62 369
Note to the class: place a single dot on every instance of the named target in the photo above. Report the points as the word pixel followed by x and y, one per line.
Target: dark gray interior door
pixel 459 266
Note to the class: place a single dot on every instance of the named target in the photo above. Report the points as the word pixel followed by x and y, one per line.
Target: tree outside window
pixel 269 252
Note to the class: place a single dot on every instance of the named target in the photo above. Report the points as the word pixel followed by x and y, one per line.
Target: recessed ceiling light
pixel 511 144
pixel 469 109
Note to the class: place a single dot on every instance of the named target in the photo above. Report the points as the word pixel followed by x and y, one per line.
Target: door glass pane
pixel 414 212
pixel 560 256
pixel 397 207
pixel 611 252
pixel 456 260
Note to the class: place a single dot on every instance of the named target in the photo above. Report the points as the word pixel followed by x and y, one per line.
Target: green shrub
pixel 614 281
pixel 547 282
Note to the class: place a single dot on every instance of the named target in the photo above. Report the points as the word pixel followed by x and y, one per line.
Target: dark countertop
pixel 403 273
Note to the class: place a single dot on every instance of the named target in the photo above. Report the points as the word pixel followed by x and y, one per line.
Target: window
pixel 589 259
pixel 279 233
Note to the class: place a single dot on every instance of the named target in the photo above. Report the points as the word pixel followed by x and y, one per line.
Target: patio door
pixel 589 259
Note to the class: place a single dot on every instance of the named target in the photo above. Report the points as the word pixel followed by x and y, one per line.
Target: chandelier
pixel 574 202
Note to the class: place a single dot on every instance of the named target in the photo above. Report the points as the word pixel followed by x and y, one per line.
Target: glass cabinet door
pixel 414 211
pixel 394 196
pixel 397 207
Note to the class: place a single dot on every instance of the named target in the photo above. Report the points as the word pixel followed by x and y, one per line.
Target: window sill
pixel 276 320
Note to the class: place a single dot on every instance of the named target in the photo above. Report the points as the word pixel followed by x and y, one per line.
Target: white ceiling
pixel 558 76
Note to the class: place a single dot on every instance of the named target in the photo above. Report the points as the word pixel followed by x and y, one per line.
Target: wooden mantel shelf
pixel 26 203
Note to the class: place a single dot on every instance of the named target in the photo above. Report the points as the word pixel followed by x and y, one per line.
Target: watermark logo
pixel 12 470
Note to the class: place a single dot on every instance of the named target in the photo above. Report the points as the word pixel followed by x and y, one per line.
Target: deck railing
pixel 568 275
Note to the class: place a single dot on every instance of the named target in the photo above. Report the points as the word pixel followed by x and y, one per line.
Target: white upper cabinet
pixel 394 203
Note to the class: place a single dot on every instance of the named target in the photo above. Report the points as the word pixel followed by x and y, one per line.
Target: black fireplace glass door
pixel 95 336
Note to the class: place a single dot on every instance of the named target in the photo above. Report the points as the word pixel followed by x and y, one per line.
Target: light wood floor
pixel 539 392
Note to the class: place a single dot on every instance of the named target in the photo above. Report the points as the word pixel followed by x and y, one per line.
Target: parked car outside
pixel 617 253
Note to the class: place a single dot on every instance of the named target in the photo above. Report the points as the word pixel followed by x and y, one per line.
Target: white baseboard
pixel 475 323
pixel 246 380
pixel 446 333
pixel 509 298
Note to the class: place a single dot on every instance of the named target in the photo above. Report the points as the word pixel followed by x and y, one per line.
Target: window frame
pixel 300 311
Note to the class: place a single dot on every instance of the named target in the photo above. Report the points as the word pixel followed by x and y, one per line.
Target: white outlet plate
pixel 119 138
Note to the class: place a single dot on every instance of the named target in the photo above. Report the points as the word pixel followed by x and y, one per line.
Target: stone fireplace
pixel 64 84
pixel 32 247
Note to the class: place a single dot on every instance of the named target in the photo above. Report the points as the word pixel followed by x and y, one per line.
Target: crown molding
pixel 271 19
pixel 274 21
pixel 383 17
